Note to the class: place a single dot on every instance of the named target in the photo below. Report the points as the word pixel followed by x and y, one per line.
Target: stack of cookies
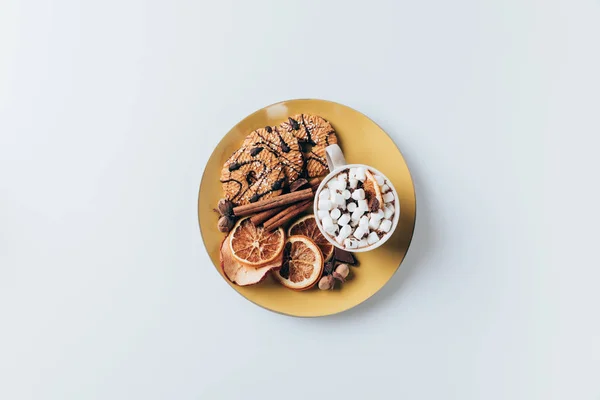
pixel 273 157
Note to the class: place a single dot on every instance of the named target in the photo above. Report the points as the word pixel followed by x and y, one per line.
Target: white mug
pixel 337 163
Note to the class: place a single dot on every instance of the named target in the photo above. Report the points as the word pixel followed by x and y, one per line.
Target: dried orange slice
pixel 241 274
pixel 253 246
pixel 307 226
pixel 302 263
pixel 372 192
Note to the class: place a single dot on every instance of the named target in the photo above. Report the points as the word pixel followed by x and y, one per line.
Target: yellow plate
pixel 363 142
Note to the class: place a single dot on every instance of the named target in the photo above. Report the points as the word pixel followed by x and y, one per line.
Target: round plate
pixel 362 141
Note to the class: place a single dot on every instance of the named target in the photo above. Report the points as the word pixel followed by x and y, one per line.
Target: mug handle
pixel 335 157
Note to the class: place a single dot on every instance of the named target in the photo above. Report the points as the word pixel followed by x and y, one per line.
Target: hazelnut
pixel 225 224
pixel 341 272
pixel 327 282
pixel 225 207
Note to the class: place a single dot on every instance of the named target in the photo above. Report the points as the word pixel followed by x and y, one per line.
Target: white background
pixel 110 109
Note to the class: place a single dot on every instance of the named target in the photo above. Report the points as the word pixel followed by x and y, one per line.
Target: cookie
pixel 314 133
pixel 249 176
pixel 268 161
pixel 281 143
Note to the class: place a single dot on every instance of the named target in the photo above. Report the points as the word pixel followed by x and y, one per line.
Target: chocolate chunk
pixel 285 270
pixel 251 177
pixel 254 198
pixel 285 148
pixel 344 256
pixel 305 147
pixel 234 166
pixel 328 269
pixel 285 267
pixel 299 183
pixel 268 129
pixel 254 152
pixel 277 184
pixel 287 250
pixel 374 204
pixel 294 123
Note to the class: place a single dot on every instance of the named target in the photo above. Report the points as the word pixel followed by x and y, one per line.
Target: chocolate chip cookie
pixel 268 161
pixel 314 133
pixel 281 143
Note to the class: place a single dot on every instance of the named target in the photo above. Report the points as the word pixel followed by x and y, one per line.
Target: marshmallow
pixel 388 197
pixel 322 214
pixel 363 243
pixel 379 214
pixel 344 219
pixel 324 195
pixel 325 205
pixel 372 238
pixel 388 211
pixel 364 222
pixel 335 185
pixel 351 207
pixel 343 177
pixel 360 232
pixel 350 243
pixel 374 222
pixel 363 205
pixel 353 182
pixel 335 213
pixel 338 200
pixel 386 225
pixel 361 174
pixel 379 179
pixel 385 188
pixel 331 229
pixel 352 173
pixel 346 194
pixel 359 194
pixel 357 214
pixel 345 231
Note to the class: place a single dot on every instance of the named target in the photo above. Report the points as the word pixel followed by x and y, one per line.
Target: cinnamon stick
pixel 286 215
pixel 259 218
pixel 314 182
pixel 274 202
